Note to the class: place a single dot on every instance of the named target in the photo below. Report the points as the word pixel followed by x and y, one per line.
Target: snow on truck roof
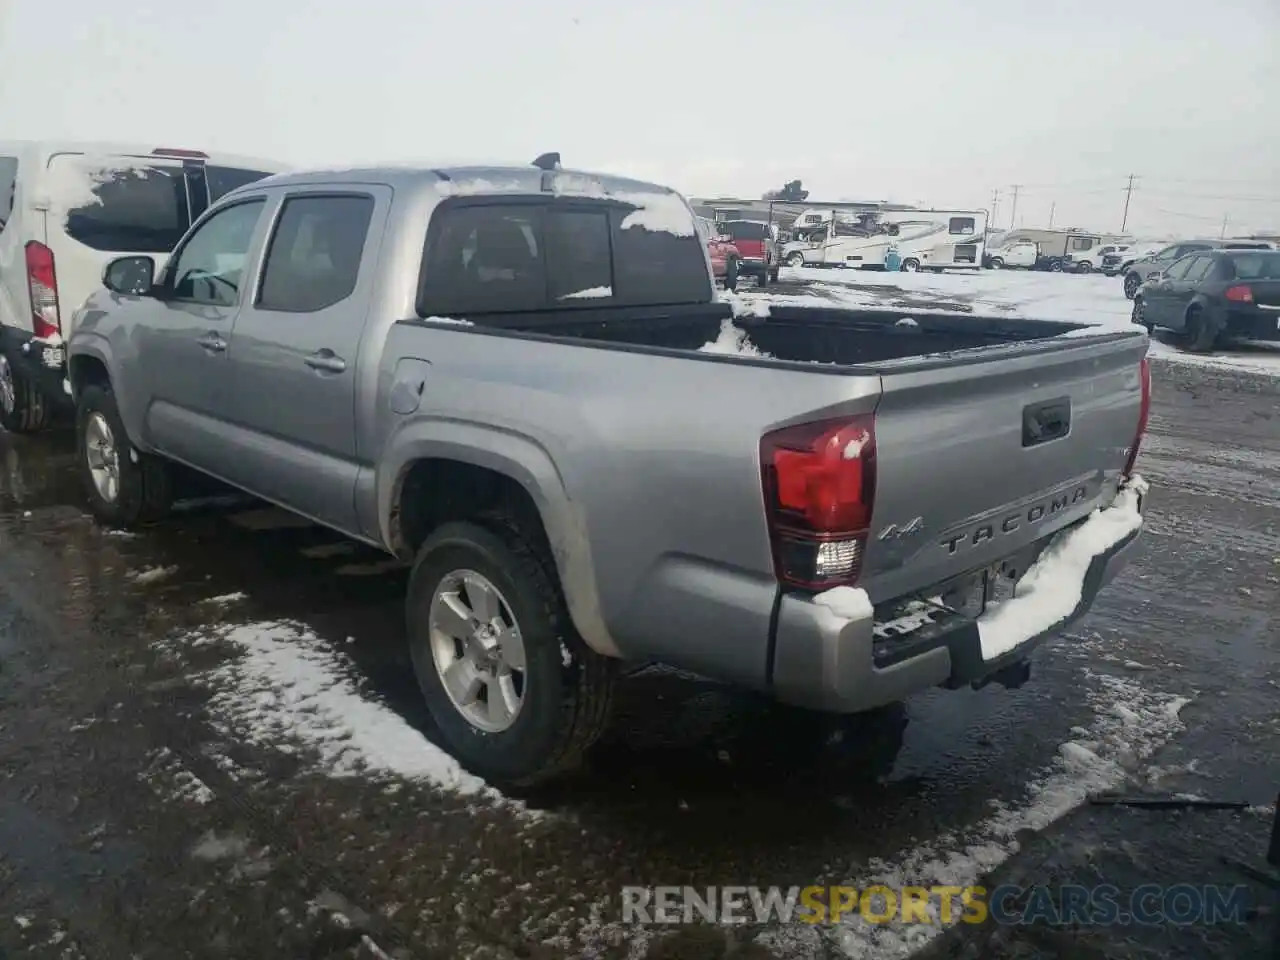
pixel 659 208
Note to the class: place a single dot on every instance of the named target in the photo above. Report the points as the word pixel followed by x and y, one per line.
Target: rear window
pixel 1253 266
pixel 140 209
pixel 963 226
pixel 521 258
pixel 8 185
pixel 1245 246
pixel 746 229
pixel 222 180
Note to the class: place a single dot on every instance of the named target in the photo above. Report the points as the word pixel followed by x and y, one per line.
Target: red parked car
pixel 758 247
pixel 724 254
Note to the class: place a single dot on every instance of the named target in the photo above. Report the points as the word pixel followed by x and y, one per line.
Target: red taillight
pixel 819 485
pixel 1239 294
pixel 42 285
pixel 1144 374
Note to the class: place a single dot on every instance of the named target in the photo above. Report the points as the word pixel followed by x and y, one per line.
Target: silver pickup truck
pixel 521 381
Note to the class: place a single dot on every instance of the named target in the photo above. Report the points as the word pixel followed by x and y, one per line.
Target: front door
pixel 182 341
pixel 1158 295
pixel 294 361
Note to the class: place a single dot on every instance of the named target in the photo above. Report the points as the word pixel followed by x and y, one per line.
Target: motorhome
pixel 922 239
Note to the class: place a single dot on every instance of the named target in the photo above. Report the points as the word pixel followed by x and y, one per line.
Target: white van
pixel 66 210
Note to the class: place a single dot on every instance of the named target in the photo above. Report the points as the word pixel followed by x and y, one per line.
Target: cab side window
pixel 313 260
pixel 209 269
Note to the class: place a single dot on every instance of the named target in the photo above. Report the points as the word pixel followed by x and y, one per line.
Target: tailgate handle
pixel 1045 421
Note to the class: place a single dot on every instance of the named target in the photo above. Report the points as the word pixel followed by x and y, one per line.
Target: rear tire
pixel 143 489
pixel 1084 266
pixel 1131 284
pixel 773 274
pixel 910 265
pixel 23 408
pixel 1198 335
pixel 796 260
pixel 731 274
pixel 996 263
pixel 762 278
pixel 565 688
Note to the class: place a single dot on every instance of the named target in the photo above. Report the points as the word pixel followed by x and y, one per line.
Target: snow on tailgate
pixel 1051 589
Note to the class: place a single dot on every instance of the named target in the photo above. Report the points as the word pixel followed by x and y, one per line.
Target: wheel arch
pixel 439 471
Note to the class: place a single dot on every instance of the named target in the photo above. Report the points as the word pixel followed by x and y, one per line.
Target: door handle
pixel 213 342
pixel 326 360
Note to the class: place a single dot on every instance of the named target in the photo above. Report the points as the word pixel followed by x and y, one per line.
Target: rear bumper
pixel 830 662
pixel 752 265
pixel 1253 323
pixel 38 361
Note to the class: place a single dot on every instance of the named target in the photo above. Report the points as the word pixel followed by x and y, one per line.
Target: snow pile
pixel 151 574
pixel 1096 762
pixel 450 320
pixel 291 687
pixel 1051 589
pixel 755 307
pixel 852 603
pixel 591 293
pixel 464 188
pixel 732 341
pixel 657 211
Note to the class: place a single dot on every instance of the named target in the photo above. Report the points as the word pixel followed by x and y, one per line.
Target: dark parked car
pixel 1138 270
pixel 1214 294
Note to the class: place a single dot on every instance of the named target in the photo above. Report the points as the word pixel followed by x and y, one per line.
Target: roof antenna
pixel 548 161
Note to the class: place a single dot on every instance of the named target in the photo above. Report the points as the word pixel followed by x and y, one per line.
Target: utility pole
pixel 1223 234
pixel 1128 193
pixel 1052 207
pixel 1013 216
pixel 995 205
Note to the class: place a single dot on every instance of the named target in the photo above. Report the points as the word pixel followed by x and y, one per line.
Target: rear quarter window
pixel 8 187
pixel 120 208
pixel 499 258
pixel 1253 266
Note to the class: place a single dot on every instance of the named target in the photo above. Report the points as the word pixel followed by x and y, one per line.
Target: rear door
pixel 978 459
pixel 294 352
pixel 1183 288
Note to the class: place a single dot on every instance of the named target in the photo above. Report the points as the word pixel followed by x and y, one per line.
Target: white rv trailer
pixel 922 240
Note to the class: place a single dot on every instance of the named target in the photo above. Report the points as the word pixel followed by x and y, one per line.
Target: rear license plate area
pixel 973 593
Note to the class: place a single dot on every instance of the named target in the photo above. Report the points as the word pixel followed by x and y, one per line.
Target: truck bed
pixel 839 336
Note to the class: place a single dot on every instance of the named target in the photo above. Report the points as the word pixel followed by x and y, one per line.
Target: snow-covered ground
pixel 1091 299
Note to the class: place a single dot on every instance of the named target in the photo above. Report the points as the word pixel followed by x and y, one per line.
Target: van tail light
pixel 1239 294
pixel 1144 411
pixel 42 285
pixel 819 483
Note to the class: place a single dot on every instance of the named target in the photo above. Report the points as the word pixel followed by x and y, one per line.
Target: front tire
pixel 518 645
pixel 1139 315
pixel 795 261
pixel 125 487
pixel 23 408
pixel 1084 266
pixel 1131 284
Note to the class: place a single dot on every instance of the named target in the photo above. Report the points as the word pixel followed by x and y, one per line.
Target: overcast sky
pixel 935 101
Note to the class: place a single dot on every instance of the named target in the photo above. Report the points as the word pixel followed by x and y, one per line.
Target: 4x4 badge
pixel 894 532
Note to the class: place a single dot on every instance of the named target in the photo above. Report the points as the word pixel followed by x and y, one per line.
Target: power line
pixel 1213 196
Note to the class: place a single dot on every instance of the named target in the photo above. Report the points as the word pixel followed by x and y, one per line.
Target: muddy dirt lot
pixel 211 745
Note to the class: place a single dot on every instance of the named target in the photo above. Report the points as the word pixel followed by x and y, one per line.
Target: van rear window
pixel 143 209
pixel 222 180
pixel 8 184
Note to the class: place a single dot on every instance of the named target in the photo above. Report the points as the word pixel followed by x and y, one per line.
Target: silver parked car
pixel 520 381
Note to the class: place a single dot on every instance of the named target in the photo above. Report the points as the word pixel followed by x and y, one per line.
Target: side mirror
pixel 1155 276
pixel 130 276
